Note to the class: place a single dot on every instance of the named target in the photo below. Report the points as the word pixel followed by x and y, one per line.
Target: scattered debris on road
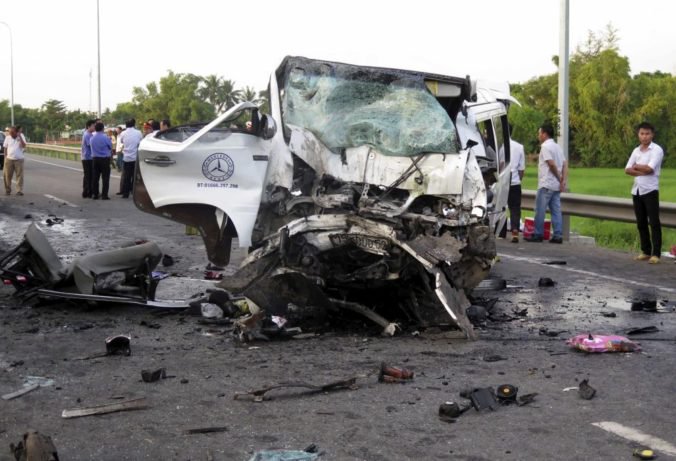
pixel 118 345
pixel 259 395
pixel 309 454
pixel 644 453
pixel 545 282
pixel 150 376
pixel 34 447
pixel 585 391
pixel 129 405
pixel 602 343
pixel 506 394
pixel 642 330
pixel 390 374
pixel 555 262
pixel 31 383
pixel 205 430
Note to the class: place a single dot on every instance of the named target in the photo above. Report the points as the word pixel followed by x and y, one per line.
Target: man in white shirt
pixel 644 165
pixel 14 146
pixel 517 162
pixel 130 139
pixel 552 174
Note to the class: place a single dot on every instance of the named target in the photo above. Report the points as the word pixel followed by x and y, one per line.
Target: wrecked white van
pixel 376 190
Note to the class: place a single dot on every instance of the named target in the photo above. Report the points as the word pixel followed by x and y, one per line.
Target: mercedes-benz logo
pixel 218 167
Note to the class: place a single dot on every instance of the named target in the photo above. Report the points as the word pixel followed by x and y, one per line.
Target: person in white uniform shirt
pixel 552 174
pixel 517 162
pixel 644 165
pixel 14 146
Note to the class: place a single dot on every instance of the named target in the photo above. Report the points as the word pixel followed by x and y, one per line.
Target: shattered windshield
pixel 349 106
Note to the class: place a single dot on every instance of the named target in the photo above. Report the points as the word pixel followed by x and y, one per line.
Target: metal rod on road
pixel 11 71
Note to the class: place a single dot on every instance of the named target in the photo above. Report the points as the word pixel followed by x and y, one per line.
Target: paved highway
pixel 594 292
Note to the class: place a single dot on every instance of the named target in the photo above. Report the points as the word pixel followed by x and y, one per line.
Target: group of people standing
pixel 97 152
pixel 644 165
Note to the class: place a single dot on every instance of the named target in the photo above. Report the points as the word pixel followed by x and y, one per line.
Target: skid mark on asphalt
pixel 637 436
pixel 79 170
pixel 591 274
pixel 65 202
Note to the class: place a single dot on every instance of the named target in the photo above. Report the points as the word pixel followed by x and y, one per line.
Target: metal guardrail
pixel 588 206
pixel 55 151
pixel 594 206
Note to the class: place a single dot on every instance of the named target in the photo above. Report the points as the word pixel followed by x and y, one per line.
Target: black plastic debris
pixel 585 391
pixel 483 398
pixel 53 220
pixel 642 330
pixel 526 399
pixel 611 315
pixel 167 261
pixel 494 358
pixel 550 333
pixel 644 305
pixel 151 325
pixel 150 376
pixel 555 263
pixel 118 345
pixel 546 282
pixel 476 314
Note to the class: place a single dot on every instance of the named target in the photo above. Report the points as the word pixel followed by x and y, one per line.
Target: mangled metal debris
pixel 365 189
pixel 125 275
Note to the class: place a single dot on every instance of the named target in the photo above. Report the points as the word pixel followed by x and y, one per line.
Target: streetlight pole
pixel 564 51
pixel 11 70
pixel 98 53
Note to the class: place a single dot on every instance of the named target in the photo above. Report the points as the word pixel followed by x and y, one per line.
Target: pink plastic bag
pixel 602 343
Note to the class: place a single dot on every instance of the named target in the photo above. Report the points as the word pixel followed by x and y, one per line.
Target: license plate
pixel 377 245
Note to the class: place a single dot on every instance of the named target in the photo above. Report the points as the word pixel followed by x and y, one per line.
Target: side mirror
pixel 268 127
pixel 471 143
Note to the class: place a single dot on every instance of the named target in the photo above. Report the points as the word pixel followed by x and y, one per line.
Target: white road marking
pixel 590 273
pixel 65 167
pixel 65 202
pixel 635 435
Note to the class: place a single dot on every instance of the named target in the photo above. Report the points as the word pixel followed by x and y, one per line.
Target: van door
pixel 210 177
pixel 501 188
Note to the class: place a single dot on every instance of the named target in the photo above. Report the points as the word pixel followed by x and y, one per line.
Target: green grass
pixel 610 182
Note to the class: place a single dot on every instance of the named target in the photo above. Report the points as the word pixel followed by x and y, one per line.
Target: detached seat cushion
pixel 144 257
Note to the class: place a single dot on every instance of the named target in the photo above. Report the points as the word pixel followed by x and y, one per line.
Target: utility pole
pixel 98 54
pixel 11 71
pixel 564 28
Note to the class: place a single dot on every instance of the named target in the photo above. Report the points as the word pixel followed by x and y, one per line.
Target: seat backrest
pixel 50 261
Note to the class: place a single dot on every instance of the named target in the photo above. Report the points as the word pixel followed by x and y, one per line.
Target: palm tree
pixel 250 94
pixel 218 92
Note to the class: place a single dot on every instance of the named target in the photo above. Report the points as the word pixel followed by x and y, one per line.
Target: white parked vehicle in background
pixel 366 188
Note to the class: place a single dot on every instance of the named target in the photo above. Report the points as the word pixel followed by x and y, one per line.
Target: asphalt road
pixel 593 294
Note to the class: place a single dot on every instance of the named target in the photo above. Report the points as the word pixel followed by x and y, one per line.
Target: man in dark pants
pixel 87 159
pixel 644 165
pixel 130 139
pixel 102 148
pixel 517 164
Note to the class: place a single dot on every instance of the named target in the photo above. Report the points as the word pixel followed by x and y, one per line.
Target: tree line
pixel 606 103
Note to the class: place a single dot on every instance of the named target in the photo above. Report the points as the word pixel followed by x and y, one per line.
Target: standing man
pixel 101 151
pixel 130 139
pixel 552 174
pixel 14 145
pixel 644 165
pixel 87 159
pixel 517 164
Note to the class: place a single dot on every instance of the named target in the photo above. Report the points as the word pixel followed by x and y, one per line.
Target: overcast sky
pixel 55 41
